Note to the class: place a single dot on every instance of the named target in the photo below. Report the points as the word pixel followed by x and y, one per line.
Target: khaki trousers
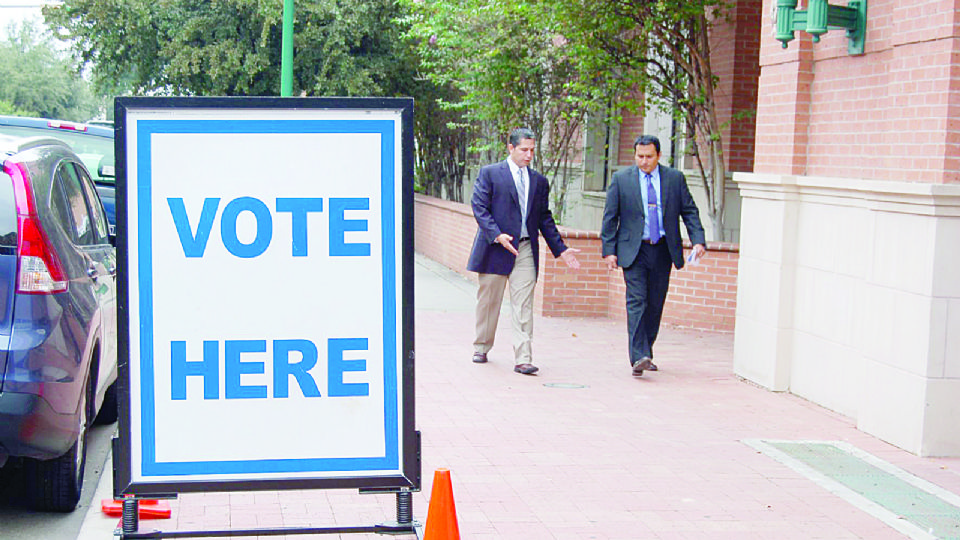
pixel 522 281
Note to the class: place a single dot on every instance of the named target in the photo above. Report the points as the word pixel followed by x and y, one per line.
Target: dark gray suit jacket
pixel 623 218
pixel 496 206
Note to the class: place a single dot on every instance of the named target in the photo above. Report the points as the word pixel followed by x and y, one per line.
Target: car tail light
pixel 40 271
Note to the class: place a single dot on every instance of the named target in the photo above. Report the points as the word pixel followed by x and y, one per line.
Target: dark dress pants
pixel 647 280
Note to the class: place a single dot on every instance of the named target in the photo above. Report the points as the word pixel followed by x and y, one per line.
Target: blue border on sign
pixel 390 459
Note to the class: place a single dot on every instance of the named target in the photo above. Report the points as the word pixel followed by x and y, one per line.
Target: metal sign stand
pixel 129 528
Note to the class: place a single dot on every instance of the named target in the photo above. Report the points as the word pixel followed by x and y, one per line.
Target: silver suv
pixel 58 317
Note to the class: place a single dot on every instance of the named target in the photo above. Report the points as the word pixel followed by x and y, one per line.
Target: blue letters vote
pixel 194 241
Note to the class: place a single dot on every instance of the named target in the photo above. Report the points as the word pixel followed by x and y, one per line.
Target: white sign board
pixel 264 253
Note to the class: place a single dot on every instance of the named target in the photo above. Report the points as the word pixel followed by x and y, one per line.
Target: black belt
pixel 527 239
pixel 653 243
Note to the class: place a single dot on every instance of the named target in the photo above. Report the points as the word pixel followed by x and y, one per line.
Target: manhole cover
pixel 564 385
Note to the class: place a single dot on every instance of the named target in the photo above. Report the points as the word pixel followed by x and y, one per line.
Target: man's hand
pixel 504 240
pixel 611 261
pixel 569 257
pixel 699 251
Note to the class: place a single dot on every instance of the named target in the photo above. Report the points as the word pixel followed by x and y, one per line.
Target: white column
pixel 849 295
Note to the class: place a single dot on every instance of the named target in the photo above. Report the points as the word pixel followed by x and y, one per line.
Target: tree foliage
pixel 662 49
pixel 549 64
pixel 510 63
pixel 38 79
pixel 232 47
pixel 442 142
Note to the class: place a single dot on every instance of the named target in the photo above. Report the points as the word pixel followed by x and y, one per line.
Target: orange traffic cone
pixel 442 513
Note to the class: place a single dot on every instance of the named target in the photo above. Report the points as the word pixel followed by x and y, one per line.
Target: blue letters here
pixel 283 369
pixel 234 366
pixel 336 366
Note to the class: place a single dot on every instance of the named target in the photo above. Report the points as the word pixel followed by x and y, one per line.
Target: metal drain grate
pixel 565 385
pixel 933 512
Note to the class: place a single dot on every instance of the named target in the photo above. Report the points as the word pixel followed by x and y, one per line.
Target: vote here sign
pixel 264 244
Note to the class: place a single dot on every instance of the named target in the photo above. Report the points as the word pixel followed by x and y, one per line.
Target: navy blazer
pixel 496 206
pixel 623 219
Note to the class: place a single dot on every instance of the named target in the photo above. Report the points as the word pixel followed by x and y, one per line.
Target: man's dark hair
pixel 519 134
pixel 646 140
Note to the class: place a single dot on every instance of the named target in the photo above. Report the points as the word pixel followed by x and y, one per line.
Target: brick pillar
pixel 746 75
pixel 783 105
pixel 735 60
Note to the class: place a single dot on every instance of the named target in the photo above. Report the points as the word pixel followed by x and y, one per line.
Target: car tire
pixel 110 410
pixel 54 485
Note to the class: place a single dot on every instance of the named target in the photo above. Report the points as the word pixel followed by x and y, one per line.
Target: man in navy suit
pixel 641 234
pixel 511 205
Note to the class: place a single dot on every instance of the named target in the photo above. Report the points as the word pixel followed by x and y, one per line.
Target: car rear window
pixel 93 150
pixel 73 206
pixel 8 216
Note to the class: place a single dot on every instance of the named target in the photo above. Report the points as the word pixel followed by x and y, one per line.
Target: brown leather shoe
pixel 479 357
pixel 526 369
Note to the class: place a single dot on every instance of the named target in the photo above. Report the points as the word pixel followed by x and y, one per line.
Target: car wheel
pixel 110 410
pixel 54 485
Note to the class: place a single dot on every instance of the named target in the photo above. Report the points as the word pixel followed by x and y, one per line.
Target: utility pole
pixel 286 52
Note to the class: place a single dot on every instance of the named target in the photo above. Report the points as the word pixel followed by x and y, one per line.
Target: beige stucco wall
pixel 849 296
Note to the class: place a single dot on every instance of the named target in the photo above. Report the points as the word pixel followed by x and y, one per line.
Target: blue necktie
pixel 653 217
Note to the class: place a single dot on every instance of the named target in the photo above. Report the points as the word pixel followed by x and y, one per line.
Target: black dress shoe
pixel 479 357
pixel 526 369
pixel 647 364
pixel 642 364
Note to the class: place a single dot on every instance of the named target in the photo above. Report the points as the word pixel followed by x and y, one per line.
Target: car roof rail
pixel 19 145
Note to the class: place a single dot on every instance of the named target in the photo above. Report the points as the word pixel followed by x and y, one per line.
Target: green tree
pixel 38 79
pixel 662 49
pixel 232 47
pixel 442 142
pixel 511 65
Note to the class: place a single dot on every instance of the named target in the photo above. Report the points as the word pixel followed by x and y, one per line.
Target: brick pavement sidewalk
pixel 584 450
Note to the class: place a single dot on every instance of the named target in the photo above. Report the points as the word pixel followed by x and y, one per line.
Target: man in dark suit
pixel 641 234
pixel 511 205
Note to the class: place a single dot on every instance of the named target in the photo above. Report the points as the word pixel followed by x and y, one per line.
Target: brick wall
pixel 701 297
pixel 630 128
pixel 745 83
pixel 890 114
pixel 735 56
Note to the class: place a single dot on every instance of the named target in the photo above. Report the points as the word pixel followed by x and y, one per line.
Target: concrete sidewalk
pixel 584 450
